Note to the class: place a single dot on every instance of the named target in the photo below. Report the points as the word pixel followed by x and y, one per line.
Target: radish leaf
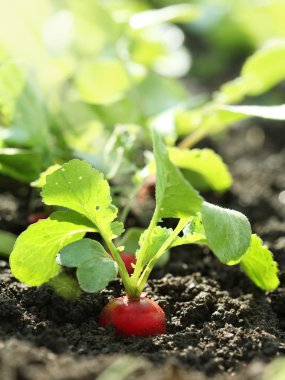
pixel 33 258
pixel 175 197
pixel 95 268
pixel 259 265
pixel 155 241
pixel 203 168
pixel 228 232
pixel 79 187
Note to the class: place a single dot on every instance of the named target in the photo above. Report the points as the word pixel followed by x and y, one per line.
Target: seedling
pixel 85 195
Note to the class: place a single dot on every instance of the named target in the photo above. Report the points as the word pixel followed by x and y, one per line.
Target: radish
pixel 147 190
pixel 134 316
pixel 128 260
pixel 85 197
pixel 35 217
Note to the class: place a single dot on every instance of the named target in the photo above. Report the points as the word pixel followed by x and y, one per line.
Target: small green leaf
pixel 80 251
pixel 7 241
pixel 204 168
pixel 65 286
pixel 95 268
pixel 79 187
pixel 33 258
pixel 95 275
pixel 259 265
pixel 263 70
pixel 156 239
pixel 175 197
pixel 228 232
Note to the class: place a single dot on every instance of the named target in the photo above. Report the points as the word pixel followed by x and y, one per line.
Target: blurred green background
pixel 89 78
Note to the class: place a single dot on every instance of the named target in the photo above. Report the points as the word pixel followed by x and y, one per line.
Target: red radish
pixel 147 191
pixel 134 316
pixel 128 260
pixel 35 217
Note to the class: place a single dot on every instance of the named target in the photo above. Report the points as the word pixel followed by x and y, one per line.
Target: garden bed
pixel 218 321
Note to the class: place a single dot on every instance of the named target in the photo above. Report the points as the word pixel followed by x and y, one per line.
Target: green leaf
pixel 41 181
pixel 214 117
pixel 12 82
pixel 65 286
pixel 175 197
pixel 79 187
pixel 21 164
pixel 95 268
pixel 228 232
pixel 179 13
pixel 155 241
pixel 27 114
pixel 263 70
pixel 193 233
pixel 211 118
pixel 80 251
pixel 259 265
pixel 102 82
pixel 94 276
pixel 33 258
pixel 7 241
pixel 205 168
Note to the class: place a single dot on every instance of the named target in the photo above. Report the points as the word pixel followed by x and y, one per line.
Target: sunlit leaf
pixel 204 168
pixel 259 265
pixel 41 181
pixel 261 71
pixel 79 187
pixel 156 239
pixel 175 197
pixel 33 260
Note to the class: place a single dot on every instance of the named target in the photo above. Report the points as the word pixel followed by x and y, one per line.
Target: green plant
pixel 85 194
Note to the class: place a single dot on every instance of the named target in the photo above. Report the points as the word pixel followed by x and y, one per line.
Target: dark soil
pixel 219 324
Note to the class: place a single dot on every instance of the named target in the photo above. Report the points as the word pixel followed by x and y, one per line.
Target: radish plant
pixel 85 196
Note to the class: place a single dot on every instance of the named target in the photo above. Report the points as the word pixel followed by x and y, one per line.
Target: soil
pixel 219 324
